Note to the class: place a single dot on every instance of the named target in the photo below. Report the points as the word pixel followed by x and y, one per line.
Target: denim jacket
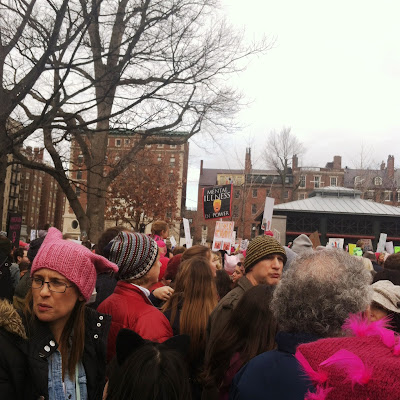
pixel 64 390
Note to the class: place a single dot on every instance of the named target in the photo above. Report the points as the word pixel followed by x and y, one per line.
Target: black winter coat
pixel 30 358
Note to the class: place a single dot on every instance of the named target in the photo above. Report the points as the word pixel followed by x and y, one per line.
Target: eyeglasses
pixel 54 286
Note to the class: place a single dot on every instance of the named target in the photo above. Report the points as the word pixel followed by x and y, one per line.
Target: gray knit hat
pixel 134 253
pixel 302 244
pixel 387 295
pixel 261 247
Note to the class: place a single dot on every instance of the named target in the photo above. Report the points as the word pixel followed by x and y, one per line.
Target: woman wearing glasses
pixel 58 352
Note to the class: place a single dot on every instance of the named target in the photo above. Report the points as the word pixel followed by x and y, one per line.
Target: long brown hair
pixel 196 251
pixel 196 293
pixel 70 353
pixel 250 331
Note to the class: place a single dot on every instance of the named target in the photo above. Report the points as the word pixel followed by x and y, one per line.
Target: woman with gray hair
pixel 312 301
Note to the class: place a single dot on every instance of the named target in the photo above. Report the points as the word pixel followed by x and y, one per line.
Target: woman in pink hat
pixel 57 349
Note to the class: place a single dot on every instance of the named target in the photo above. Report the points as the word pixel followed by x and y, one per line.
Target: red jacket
pixel 130 308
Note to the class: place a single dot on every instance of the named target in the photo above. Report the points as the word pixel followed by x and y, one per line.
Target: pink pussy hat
pixel 72 260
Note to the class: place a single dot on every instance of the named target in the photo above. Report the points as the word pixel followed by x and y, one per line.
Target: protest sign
pixel 277 235
pixel 267 216
pixel 336 242
pixel 397 249
pixel 173 241
pixel 381 244
pixel 314 237
pixel 33 234
pixel 358 251
pixel 243 244
pixel 351 246
pixel 389 247
pixel 14 228
pixel 186 227
pixel 223 235
pixel 217 201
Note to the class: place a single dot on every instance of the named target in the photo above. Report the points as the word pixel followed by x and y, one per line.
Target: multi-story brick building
pixel 174 158
pixel 40 197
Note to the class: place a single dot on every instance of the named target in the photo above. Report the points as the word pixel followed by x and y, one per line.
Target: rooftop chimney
pixel 295 162
pixel 247 163
pixel 337 162
pixel 201 167
pixel 390 167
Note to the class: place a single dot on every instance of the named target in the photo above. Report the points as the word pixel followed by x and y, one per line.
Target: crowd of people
pixel 136 319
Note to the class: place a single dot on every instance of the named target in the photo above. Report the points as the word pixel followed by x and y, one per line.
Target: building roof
pixel 338 200
pixel 209 176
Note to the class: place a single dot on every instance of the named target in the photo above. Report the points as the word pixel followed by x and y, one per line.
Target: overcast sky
pixel 333 76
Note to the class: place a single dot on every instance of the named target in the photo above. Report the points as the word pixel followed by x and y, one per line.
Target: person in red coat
pixel 138 260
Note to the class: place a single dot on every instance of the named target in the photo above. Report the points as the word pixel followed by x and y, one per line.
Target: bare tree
pixel 279 151
pixel 145 66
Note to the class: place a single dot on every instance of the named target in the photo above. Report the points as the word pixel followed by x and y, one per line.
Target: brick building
pixel 173 157
pixel 41 200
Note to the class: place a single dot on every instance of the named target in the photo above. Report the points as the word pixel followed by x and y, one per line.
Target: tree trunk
pixel 3 173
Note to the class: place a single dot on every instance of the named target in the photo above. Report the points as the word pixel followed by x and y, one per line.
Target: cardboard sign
pixel 366 243
pixel 314 237
pixel 186 227
pixel 267 216
pixel 217 201
pixel 336 242
pixel 14 228
pixel 389 247
pixel 381 244
pixel 223 235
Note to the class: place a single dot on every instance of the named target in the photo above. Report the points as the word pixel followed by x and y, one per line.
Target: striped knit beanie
pixel 261 247
pixel 134 253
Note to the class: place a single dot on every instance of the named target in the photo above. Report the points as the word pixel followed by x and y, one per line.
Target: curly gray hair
pixel 319 292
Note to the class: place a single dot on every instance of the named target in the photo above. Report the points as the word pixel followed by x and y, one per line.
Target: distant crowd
pixel 136 319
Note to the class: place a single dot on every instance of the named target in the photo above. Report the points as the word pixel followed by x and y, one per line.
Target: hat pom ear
pixel 53 234
pixel 127 342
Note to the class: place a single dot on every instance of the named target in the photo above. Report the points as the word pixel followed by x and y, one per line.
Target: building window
pixel 302 196
pixel 286 194
pixel 377 181
pixel 253 230
pixel 26 186
pixel 27 175
pixel 117 142
pixel 357 180
pixel 172 162
pixel 148 145
pixel 255 193
pixel 159 158
pixel 235 211
pixel 398 196
pixel 317 182
pixel 127 142
pixel 23 219
pixel 79 175
pixel 169 215
pixel 237 194
pixel 173 146
pixel 254 209
pixel 204 227
pixel 302 181
pixel 333 181
pixel 160 146
pixel 80 159
pixel 78 191
pixel 24 208
pixel 388 195
pixel 370 194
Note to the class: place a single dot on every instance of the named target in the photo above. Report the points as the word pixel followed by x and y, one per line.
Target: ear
pixel 127 342
pixel 179 343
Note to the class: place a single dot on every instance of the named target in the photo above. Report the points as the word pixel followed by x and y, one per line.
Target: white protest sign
pixel 33 234
pixel 389 247
pixel 186 227
pixel 173 241
pixel 277 235
pixel 267 217
pixel 381 244
pixel 223 235
pixel 243 244
pixel 336 243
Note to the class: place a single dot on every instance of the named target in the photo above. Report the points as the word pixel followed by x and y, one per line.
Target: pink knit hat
pixel 72 260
